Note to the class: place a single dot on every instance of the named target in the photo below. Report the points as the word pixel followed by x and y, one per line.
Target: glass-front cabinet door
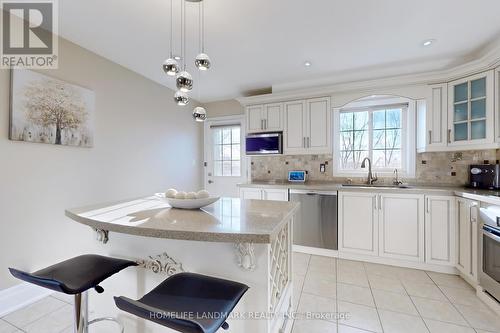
pixel 471 103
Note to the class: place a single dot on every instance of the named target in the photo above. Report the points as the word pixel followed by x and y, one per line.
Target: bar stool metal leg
pixel 81 312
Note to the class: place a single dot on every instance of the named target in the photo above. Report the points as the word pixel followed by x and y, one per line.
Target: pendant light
pixel 202 61
pixel 181 98
pixel 199 114
pixel 184 80
pixel 170 66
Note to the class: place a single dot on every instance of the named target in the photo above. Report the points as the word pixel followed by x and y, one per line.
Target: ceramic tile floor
pixel 377 298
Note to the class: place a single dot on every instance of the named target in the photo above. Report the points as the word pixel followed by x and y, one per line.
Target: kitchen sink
pixel 376 186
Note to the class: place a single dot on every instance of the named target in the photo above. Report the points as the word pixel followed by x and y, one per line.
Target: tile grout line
pixel 9 323
pixel 337 309
pixel 456 309
pixel 302 287
pixel 415 305
pixel 34 321
pixel 371 292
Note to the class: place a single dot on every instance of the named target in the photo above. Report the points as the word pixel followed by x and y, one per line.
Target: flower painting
pixel 48 110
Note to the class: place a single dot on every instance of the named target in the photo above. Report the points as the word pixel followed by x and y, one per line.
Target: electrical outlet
pixel 322 168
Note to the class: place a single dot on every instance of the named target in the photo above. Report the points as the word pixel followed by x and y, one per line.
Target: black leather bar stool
pixel 75 277
pixel 188 303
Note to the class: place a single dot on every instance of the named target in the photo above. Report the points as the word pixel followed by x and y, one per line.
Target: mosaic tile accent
pixel 446 168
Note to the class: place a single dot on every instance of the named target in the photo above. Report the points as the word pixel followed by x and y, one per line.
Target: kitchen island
pixel 248 241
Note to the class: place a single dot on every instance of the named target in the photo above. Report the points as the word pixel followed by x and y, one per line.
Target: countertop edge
pixel 213 237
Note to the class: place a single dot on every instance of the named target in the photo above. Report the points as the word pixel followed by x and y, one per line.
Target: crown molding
pixel 489 59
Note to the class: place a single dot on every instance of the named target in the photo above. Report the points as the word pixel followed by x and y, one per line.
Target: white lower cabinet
pixel 358 222
pixel 250 193
pixel 467 238
pixel 401 226
pixel 263 194
pixel 440 230
pixel 275 194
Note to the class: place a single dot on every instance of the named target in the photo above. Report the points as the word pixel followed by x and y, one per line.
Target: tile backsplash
pixel 446 168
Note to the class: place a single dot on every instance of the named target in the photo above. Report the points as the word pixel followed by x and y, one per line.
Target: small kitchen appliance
pixel 484 176
pixel 297 176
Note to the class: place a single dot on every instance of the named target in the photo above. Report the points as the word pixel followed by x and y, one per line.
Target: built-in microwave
pixel 264 143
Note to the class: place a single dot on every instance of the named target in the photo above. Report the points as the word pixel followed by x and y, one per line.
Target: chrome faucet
pixel 396 180
pixel 371 178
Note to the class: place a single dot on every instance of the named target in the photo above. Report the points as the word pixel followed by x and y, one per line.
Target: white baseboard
pixel 315 251
pixel 490 301
pixel 376 260
pixel 20 296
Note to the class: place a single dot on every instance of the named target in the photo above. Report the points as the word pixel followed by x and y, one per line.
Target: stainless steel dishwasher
pixel 316 225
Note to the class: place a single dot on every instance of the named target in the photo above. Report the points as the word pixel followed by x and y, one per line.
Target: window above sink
pixel 380 128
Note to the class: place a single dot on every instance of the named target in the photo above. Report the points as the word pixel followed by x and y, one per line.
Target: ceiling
pixel 257 44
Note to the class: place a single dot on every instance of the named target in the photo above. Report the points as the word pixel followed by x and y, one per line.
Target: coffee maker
pixel 484 176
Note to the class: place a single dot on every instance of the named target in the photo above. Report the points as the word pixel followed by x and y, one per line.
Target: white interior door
pixel 225 164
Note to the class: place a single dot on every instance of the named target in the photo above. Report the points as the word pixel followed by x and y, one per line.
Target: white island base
pixel 265 266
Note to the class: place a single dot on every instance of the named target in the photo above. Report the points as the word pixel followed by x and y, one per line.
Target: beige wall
pixel 143 143
pixel 224 108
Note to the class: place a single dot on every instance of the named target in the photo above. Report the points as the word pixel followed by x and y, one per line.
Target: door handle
pixel 265 123
pixel 210 181
pixel 449 136
pixel 472 219
pixel 304 142
pixel 308 142
pixel 427 204
pixel 430 136
pixel 262 124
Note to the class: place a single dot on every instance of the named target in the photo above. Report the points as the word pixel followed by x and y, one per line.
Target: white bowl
pixel 187 203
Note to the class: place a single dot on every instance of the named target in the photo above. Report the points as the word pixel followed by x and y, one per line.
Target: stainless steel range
pixel 489 249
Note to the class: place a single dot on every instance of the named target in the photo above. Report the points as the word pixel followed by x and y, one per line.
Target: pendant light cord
pixel 202 4
pixel 184 33
pixel 171 26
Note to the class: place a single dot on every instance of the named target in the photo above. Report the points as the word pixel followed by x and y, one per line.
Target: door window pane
pixel 461 131
pixel 478 88
pixel 478 129
pixel 461 93
pixel 478 109
pixel 227 151
pixel 460 113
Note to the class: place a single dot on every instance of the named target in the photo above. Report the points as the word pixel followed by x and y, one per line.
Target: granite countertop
pixel 227 220
pixel 488 196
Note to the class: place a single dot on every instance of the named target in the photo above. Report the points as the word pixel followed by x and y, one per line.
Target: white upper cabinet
pixel 318 124
pixel 436 117
pixel 440 230
pixel 254 118
pixel 401 226
pixel 308 127
pixel 471 110
pixel 264 118
pixel 295 117
pixel 273 117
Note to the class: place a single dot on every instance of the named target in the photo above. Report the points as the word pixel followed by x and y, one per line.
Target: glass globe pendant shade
pixel 170 67
pixel 181 98
pixel 202 62
pixel 184 81
pixel 199 114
